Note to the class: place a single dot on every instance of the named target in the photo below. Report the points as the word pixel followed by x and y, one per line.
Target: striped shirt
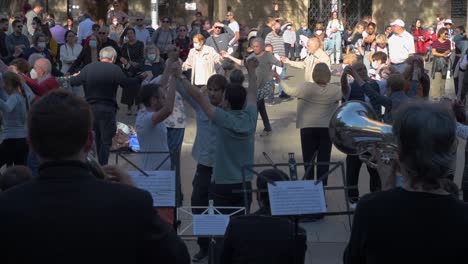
pixel 277 42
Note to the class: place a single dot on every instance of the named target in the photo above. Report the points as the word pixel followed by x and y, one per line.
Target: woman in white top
pixel 334 30
pixel 316 103
pixel 70 51
pixel 203 60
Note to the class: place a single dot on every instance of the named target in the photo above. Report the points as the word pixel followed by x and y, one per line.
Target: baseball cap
pixel 448 21
pixel 398 22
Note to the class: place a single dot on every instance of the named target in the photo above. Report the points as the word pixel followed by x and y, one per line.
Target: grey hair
pixel 33 58
pixel 259 40
pixel 107 53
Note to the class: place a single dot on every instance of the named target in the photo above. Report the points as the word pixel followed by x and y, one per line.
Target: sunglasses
pixel 139 19
pixel 165 21
pixel 183 30
pixel 19 26
pixel 102 33
pixel 218 27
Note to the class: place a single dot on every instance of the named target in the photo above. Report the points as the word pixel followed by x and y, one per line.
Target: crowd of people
pixel 58 99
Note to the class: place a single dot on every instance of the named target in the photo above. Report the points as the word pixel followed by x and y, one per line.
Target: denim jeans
pixel 175 138
pixel 104 128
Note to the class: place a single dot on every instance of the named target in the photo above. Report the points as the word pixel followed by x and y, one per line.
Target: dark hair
pixel 3 20
pixel 371 24
pixel 441 31
pixel 396 82
pixel 37 20
pixel 217 80
pixel 68 32
pixel 425 135
pixel 129 29
pixel 235 94
pixel 379 55
pixel 461 28
pixel 237 76
pixel 59 124
pixel 262 183
pixel 95 27
pixel 14 176
pixel 148 91
pixel 12 79
pixel 15 22
pixel 321 73
pixel 21 64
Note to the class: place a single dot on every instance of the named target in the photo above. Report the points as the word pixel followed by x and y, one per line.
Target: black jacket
pixel 263 239
pixel 67 215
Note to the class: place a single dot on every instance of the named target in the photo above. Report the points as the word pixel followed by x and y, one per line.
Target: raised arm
pixel 199 98
pixel 172 72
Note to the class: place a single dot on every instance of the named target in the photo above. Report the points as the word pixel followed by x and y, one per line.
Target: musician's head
pixel 262 185
pixel 425 135
pixel 60 127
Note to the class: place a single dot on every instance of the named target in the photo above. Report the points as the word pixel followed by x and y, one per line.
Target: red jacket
pixel 420 39
pixel 42 88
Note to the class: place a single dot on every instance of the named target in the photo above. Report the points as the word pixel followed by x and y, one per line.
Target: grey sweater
pixel 222 41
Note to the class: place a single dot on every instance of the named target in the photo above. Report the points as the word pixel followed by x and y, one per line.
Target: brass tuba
pixel 354 130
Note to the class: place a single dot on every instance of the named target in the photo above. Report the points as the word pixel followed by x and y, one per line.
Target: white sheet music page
pixel 296 198
pixel 160 184
pixel 210 225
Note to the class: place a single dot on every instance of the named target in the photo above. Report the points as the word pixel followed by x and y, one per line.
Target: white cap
pixel 448 21
pixel 398 22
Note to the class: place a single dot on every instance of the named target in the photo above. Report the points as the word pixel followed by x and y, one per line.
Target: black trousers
pixel 316 140
pixel 263 113
pixel 353 166
pixel 201 187
pixel 13 151
pixel 105 127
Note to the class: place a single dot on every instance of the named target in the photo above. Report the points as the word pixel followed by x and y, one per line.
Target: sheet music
pixel 206 225
pixel 160 184
pixel 296 198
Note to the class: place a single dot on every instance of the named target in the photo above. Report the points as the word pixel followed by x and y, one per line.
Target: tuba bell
pixel 354 130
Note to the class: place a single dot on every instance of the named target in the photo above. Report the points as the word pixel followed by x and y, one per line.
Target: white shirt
pixel 289 37
pixel 152 138
pixel 85 29
pixel 235 28
pixel 142 35
pixel 68 55
pixel 400 47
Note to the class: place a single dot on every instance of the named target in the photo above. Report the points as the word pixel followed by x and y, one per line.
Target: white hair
pixel 107 53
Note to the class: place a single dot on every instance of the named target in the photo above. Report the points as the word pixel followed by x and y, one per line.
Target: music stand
pixel 175 165
pixel 209 210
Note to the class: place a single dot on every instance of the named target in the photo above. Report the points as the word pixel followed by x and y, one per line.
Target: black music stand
pixel 175 165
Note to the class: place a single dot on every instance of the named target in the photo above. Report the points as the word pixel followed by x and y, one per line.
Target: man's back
pixel 100 81
pixel 66 215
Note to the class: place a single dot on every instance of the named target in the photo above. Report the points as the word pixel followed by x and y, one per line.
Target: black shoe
pixel 284 96
pixel 200 256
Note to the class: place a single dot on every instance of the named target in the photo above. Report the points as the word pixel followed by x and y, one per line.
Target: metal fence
pixel 350 11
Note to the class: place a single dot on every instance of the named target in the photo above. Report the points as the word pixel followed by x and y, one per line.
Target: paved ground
pixel 326 238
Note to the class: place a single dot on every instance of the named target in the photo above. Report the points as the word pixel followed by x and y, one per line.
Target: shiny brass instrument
pixel 354 130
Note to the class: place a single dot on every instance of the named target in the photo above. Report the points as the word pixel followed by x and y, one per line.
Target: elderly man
pixel 100 81
pixel 41 80
pixel 31 15
pixel 316 55
pixel 400 45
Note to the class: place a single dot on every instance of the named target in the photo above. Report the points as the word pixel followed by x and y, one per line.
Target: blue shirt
pixel 204 148
pixel 235 140
pixel 14 112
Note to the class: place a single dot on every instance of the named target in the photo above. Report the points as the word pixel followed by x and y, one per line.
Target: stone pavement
pixel 326 238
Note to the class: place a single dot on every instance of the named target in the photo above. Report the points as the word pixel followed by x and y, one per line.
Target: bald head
pixel 313 44
pixel 42 67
